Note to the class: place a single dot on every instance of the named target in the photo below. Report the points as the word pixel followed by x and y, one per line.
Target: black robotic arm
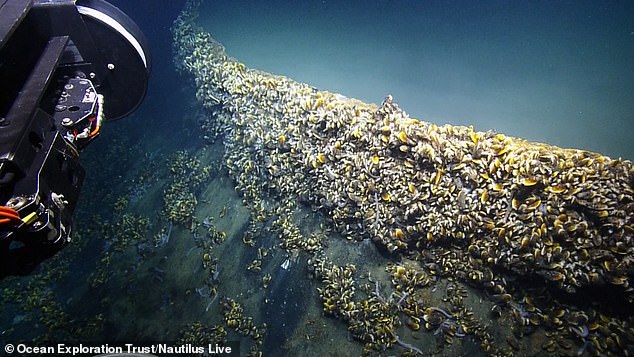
pixel 65 68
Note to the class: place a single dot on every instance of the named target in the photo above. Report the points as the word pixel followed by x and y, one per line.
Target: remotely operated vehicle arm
pixel 66 66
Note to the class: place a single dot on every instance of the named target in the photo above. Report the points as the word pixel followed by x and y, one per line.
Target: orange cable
pixel 8 209
pixel 94 132
pixel 8 216
pixel 9 213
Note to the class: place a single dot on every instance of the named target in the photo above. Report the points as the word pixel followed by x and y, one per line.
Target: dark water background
pixel 557 72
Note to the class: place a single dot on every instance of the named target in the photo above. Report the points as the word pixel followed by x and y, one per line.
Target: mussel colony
pixel 540 231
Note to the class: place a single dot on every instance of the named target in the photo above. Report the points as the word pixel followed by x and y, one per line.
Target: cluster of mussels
pixel 371 320
pixel 375 317
pixel 42 318
pixel 128 229
pixel 186 175
pixel 197 334
pixel 479 207
pixel 207 236
pixel 234 318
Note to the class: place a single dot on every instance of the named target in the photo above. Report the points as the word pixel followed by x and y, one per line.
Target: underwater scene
pixel 358 178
